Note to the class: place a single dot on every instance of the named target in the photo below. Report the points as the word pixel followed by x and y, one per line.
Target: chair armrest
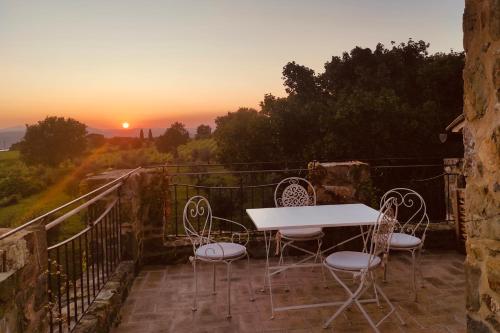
pixel 243 234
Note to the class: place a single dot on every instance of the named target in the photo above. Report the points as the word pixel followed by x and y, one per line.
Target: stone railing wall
pixel 23 281
pixel 481 25
pixel 342 182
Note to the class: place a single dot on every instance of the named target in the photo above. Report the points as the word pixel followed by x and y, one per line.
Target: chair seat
pixel 400 240
pixel 351 260
pixel 220 251
pixel 301 232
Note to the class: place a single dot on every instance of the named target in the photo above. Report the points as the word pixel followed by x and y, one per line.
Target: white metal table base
pixel 273 270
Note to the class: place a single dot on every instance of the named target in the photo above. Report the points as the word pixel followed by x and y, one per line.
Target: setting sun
pixel 125 125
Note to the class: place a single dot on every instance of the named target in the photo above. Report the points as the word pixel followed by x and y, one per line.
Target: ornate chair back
pixel 293 192
pixel 383 229
pixel 412 212
pixel 197 212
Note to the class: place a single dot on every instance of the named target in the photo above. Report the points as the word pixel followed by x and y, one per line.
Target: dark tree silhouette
pixel 141 135
pixel 203 132
pixel 173 137
pixel 150 135
pixel 53 140
pixel 243 136
pixel 386 102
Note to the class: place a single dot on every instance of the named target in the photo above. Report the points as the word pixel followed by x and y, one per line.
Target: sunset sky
pixel 153 62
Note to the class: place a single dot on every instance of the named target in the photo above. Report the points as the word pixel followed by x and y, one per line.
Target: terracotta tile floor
pixel 161 300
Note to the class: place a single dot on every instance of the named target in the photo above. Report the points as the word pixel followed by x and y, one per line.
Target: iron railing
pixel 81 264
pixel 231 192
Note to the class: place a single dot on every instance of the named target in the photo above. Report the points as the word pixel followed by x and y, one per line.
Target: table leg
pixel 267 241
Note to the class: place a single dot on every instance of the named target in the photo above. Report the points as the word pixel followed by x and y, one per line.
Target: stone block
pixel 477 326
pixel 342 182
pixel 493 273
pixel 473 275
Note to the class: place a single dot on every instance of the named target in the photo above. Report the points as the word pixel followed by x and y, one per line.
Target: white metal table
pixel 326 216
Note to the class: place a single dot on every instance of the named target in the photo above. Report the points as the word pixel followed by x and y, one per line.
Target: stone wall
pixel 342 182
pixel 481 25
pixel 144 207
pixel 23 282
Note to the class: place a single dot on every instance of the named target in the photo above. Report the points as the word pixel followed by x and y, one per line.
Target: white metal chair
pixel 361 265
pixel 205 248
pixel 410 229
pixel 292 192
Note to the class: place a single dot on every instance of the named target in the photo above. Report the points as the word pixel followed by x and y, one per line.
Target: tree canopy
pixel 173 137
pixel 53 140
pixel 386 102
pixel 203 132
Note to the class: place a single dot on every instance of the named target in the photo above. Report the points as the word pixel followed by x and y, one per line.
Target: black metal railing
pixel 230 192
pixel 81 265
pixel 84 249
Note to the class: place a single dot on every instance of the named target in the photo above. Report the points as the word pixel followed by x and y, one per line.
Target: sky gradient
pixel 153 62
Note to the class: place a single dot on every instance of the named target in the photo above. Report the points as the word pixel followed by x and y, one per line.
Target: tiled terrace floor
pixel 161 300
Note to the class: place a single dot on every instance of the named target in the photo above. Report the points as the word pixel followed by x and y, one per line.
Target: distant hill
pixel 11 135
pixel 132 132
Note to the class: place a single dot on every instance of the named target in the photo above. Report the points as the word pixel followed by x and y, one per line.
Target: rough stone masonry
pixel 481 25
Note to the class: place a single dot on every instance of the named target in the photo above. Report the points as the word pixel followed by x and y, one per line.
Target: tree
pixel 203 132
pixel 95 140
pixel 141 135
pixel 150 135
pixel 53 140
pixel 173 137
pixel 385 102
pixel 243 136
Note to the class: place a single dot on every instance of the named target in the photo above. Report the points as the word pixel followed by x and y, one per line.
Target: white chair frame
pixel 199 208
pixel 378 247
pixel 293 192
pixel 415 225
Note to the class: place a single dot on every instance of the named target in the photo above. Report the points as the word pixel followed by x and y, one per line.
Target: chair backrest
pixel 294 191
pixel 412 211
pixel 197 212
pixel 383 229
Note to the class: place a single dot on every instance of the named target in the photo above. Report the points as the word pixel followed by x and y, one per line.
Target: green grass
pixel 26 209
pixel 9 156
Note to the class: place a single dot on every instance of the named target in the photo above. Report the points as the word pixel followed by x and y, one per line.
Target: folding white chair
pixel 362 265
pixel 293 192
pixel 410 229
pixel 198 212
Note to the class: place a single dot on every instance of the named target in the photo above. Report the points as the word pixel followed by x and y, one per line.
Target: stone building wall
pixel 481 25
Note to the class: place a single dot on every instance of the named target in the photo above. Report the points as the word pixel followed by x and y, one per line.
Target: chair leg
pixel 367 317
pixel 343 307
pixel 194 308
pixel 393 309
pixel 282 262
pixel 386 263
pixel 413 273
pixel 419 267
pixel 228 290
pixel 375 289
pixel 319 256
pixel 214 279
pixel 250 288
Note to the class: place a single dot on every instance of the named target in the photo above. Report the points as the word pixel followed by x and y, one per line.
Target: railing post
pixel 241 199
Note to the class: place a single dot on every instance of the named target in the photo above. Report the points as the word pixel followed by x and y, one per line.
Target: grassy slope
pixel 52 197
pixel 26 208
